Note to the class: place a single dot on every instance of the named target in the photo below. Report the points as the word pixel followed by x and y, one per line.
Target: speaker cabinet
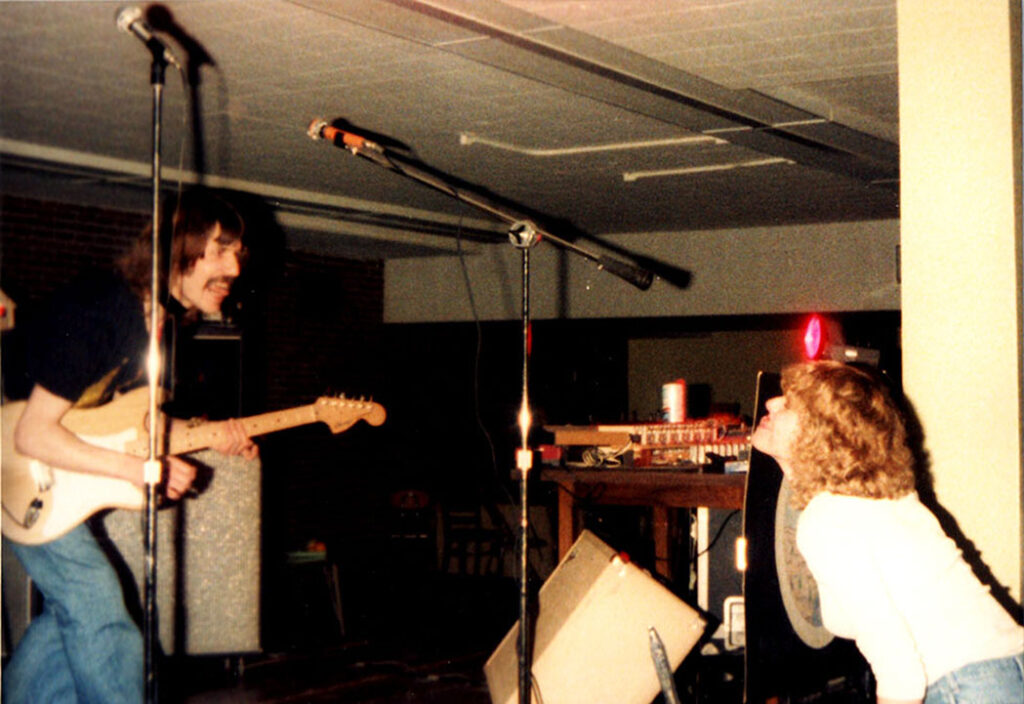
pixel 208 560
pixel 208 564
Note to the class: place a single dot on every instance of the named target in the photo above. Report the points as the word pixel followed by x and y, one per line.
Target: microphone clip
pixel 130 21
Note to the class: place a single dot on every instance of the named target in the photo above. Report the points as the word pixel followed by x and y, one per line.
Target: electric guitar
pixel 41 503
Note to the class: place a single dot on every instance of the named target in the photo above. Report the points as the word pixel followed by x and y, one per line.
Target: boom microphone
pixel 321 129
pixel 129 20
pixel 361 146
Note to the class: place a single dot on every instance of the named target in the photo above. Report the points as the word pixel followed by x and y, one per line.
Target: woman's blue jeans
pixel 998 681
pixel 84 647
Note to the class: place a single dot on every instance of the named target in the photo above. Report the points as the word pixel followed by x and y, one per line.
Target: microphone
pixel 641 278
pixel 320 129
pixel 129 20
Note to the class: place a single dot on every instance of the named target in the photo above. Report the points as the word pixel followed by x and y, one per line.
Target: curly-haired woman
pixel 888 576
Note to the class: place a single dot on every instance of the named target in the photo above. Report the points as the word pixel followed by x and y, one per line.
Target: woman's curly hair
pixel 852 438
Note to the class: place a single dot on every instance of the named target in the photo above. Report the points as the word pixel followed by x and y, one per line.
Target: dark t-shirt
pixel 92 343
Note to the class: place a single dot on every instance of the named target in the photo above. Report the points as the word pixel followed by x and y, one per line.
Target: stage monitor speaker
pixel 591 633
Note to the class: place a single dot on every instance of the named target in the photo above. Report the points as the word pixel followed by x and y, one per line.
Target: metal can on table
pixel 673 401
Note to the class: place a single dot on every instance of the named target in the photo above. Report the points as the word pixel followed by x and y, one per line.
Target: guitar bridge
pixel 32 512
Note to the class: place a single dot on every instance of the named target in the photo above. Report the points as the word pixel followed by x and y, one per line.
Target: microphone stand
pixel 523 234
pixel 152 467
pixel 524 237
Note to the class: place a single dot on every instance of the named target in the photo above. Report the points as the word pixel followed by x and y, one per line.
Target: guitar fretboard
pixel 207 434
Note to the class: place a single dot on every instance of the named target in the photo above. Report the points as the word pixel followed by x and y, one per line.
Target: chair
pixel 471 545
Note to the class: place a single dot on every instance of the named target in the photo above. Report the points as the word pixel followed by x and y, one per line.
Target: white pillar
pixel 959 91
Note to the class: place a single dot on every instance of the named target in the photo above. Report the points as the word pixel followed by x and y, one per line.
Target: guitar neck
pixel 199 437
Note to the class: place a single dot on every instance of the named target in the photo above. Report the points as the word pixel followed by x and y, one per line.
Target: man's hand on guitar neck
pixel 237 441
pixel 179 474
pixel 229 437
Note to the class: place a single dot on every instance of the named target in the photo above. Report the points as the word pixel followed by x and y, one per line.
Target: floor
pixel 408 638
pixel 403 637
pixel 353 673
pixel 365 674
pixel 398 635
pixel 423 643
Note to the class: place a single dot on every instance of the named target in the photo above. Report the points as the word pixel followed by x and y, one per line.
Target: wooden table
pixel 661 489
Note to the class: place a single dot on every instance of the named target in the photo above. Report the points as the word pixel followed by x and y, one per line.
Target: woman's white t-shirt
pixel 892 580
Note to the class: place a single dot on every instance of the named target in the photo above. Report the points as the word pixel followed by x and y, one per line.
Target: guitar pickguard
pixel 114 441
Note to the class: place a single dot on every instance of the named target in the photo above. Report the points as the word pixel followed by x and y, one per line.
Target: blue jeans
pixel 84 647
pixel 999 681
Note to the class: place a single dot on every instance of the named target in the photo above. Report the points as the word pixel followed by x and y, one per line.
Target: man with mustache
pixel 84 646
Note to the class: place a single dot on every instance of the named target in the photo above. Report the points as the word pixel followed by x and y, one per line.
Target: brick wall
pixel 44 245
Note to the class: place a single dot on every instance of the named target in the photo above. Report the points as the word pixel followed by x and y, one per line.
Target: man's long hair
pixel 186 225
pixel 852 437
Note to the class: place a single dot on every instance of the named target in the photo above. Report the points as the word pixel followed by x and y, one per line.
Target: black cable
pixel 718 534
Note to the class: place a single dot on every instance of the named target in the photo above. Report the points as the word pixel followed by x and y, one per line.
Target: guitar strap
pixel 101 391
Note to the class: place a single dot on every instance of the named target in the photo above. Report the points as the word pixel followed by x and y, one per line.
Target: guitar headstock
pixel 341 413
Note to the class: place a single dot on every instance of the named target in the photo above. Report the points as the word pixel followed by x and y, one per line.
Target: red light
pixel 814 338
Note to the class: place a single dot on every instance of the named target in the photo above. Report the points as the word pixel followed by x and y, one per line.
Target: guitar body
pixel 41 503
